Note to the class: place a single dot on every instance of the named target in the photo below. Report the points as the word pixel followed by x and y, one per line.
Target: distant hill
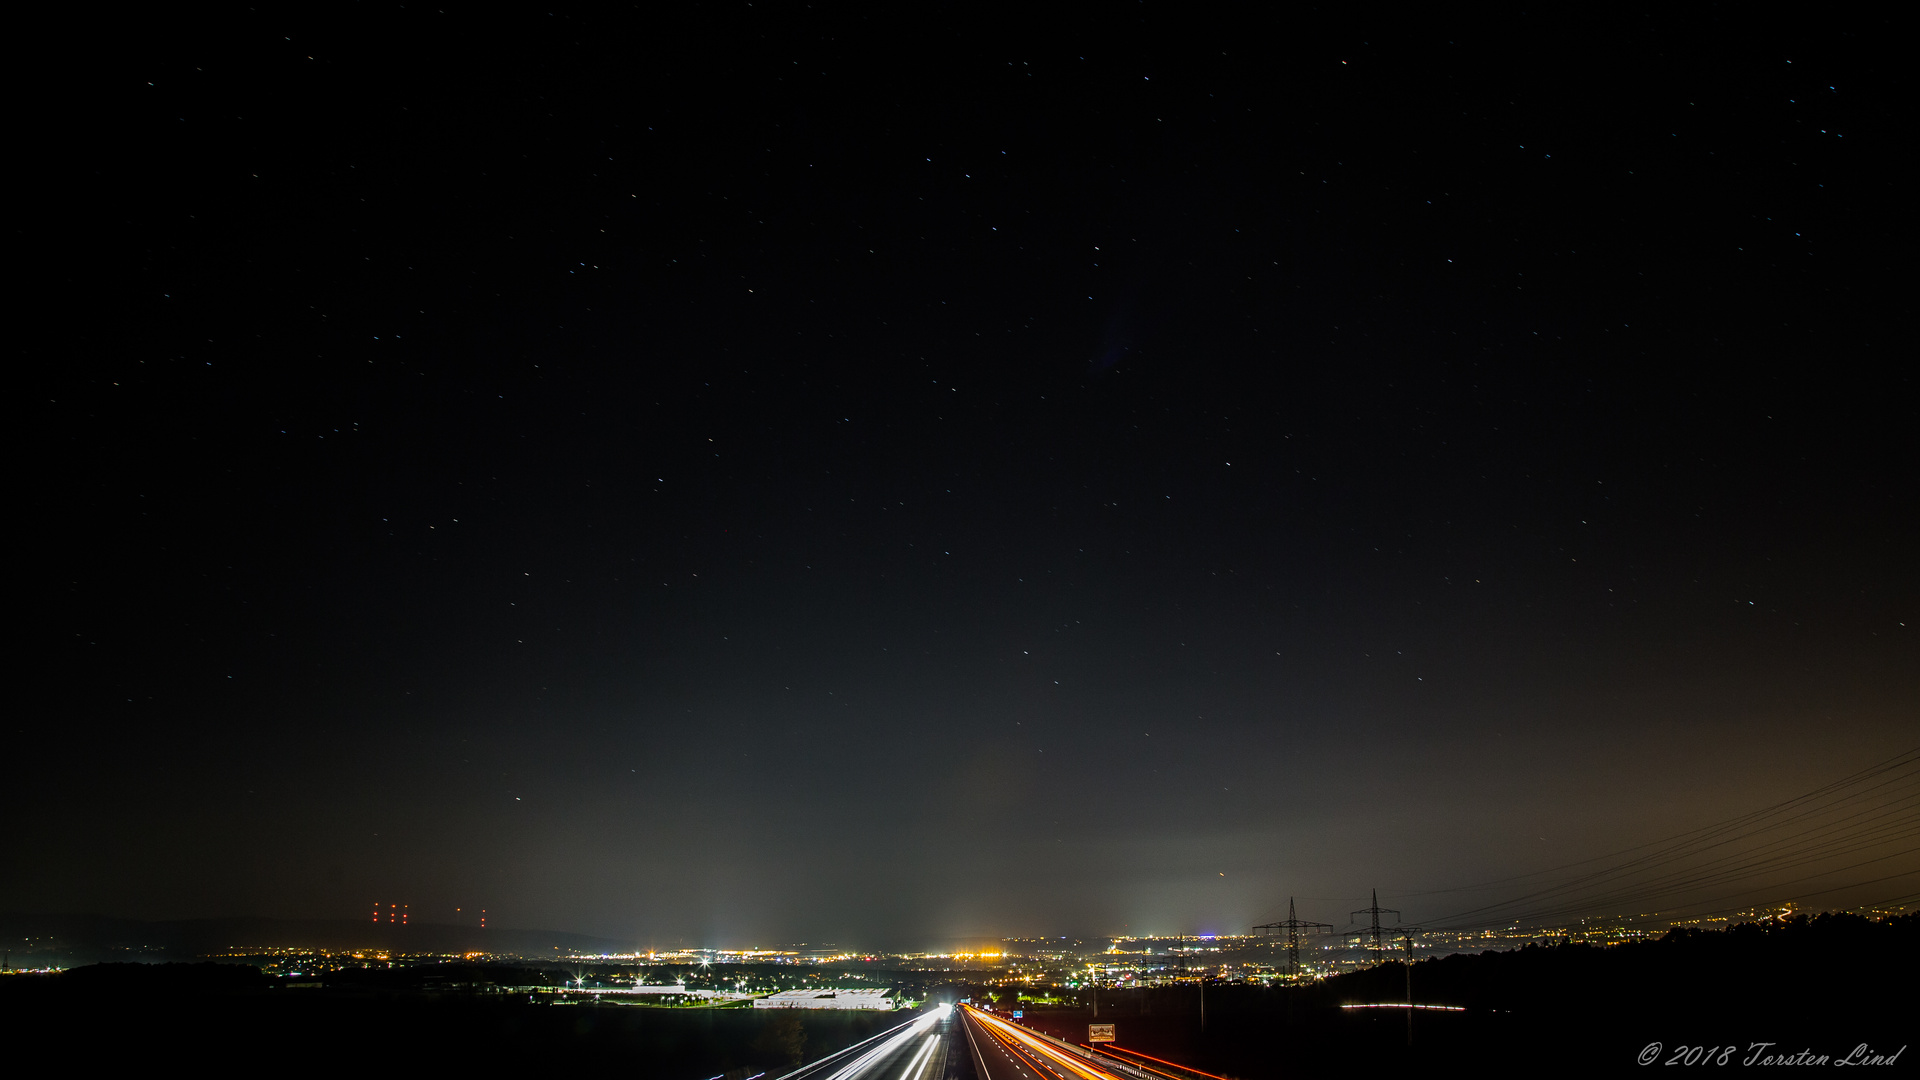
pixel 68 940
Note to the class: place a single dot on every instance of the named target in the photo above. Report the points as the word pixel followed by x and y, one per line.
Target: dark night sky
pixel 773 474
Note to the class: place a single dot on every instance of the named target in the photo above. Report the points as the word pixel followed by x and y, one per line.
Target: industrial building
pixel 864 998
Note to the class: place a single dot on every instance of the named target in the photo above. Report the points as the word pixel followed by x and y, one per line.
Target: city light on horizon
pixel 773 523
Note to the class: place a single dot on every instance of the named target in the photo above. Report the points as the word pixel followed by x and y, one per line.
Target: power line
pixel 1903 759
pixel 1293 924
pixel 1374 931
pixel 1856 814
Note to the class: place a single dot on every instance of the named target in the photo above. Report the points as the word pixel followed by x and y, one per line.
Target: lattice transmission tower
pixel 1293 924
pixel 1374 931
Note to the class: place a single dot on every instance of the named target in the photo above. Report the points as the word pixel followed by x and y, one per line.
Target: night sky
pixel 774 474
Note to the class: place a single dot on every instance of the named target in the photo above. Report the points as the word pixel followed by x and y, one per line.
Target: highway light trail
pixel 1163 1061
pixel 919 1062
pixel 913 1041
pixel 1042 1057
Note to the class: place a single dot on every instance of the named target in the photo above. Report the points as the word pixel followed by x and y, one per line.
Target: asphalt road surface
pixel 916 1050
pixel 1003 1051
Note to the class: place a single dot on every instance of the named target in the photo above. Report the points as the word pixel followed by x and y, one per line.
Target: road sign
pixel 1099 1033
pixel 1019 1014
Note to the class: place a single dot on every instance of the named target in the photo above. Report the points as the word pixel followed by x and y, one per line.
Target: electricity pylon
pixel 1293 925
pixel 1405 933
pixel 1374 931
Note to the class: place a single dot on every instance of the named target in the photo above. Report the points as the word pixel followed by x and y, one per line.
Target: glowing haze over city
pixel 766 481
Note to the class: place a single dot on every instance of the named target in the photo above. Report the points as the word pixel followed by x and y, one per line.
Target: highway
pixel 915 1050
pixel 1003 1051
pixel 919 1048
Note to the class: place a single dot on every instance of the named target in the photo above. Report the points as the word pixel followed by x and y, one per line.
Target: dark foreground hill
pixel 1827 984
pixel 229 1019
pixel 1823 986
